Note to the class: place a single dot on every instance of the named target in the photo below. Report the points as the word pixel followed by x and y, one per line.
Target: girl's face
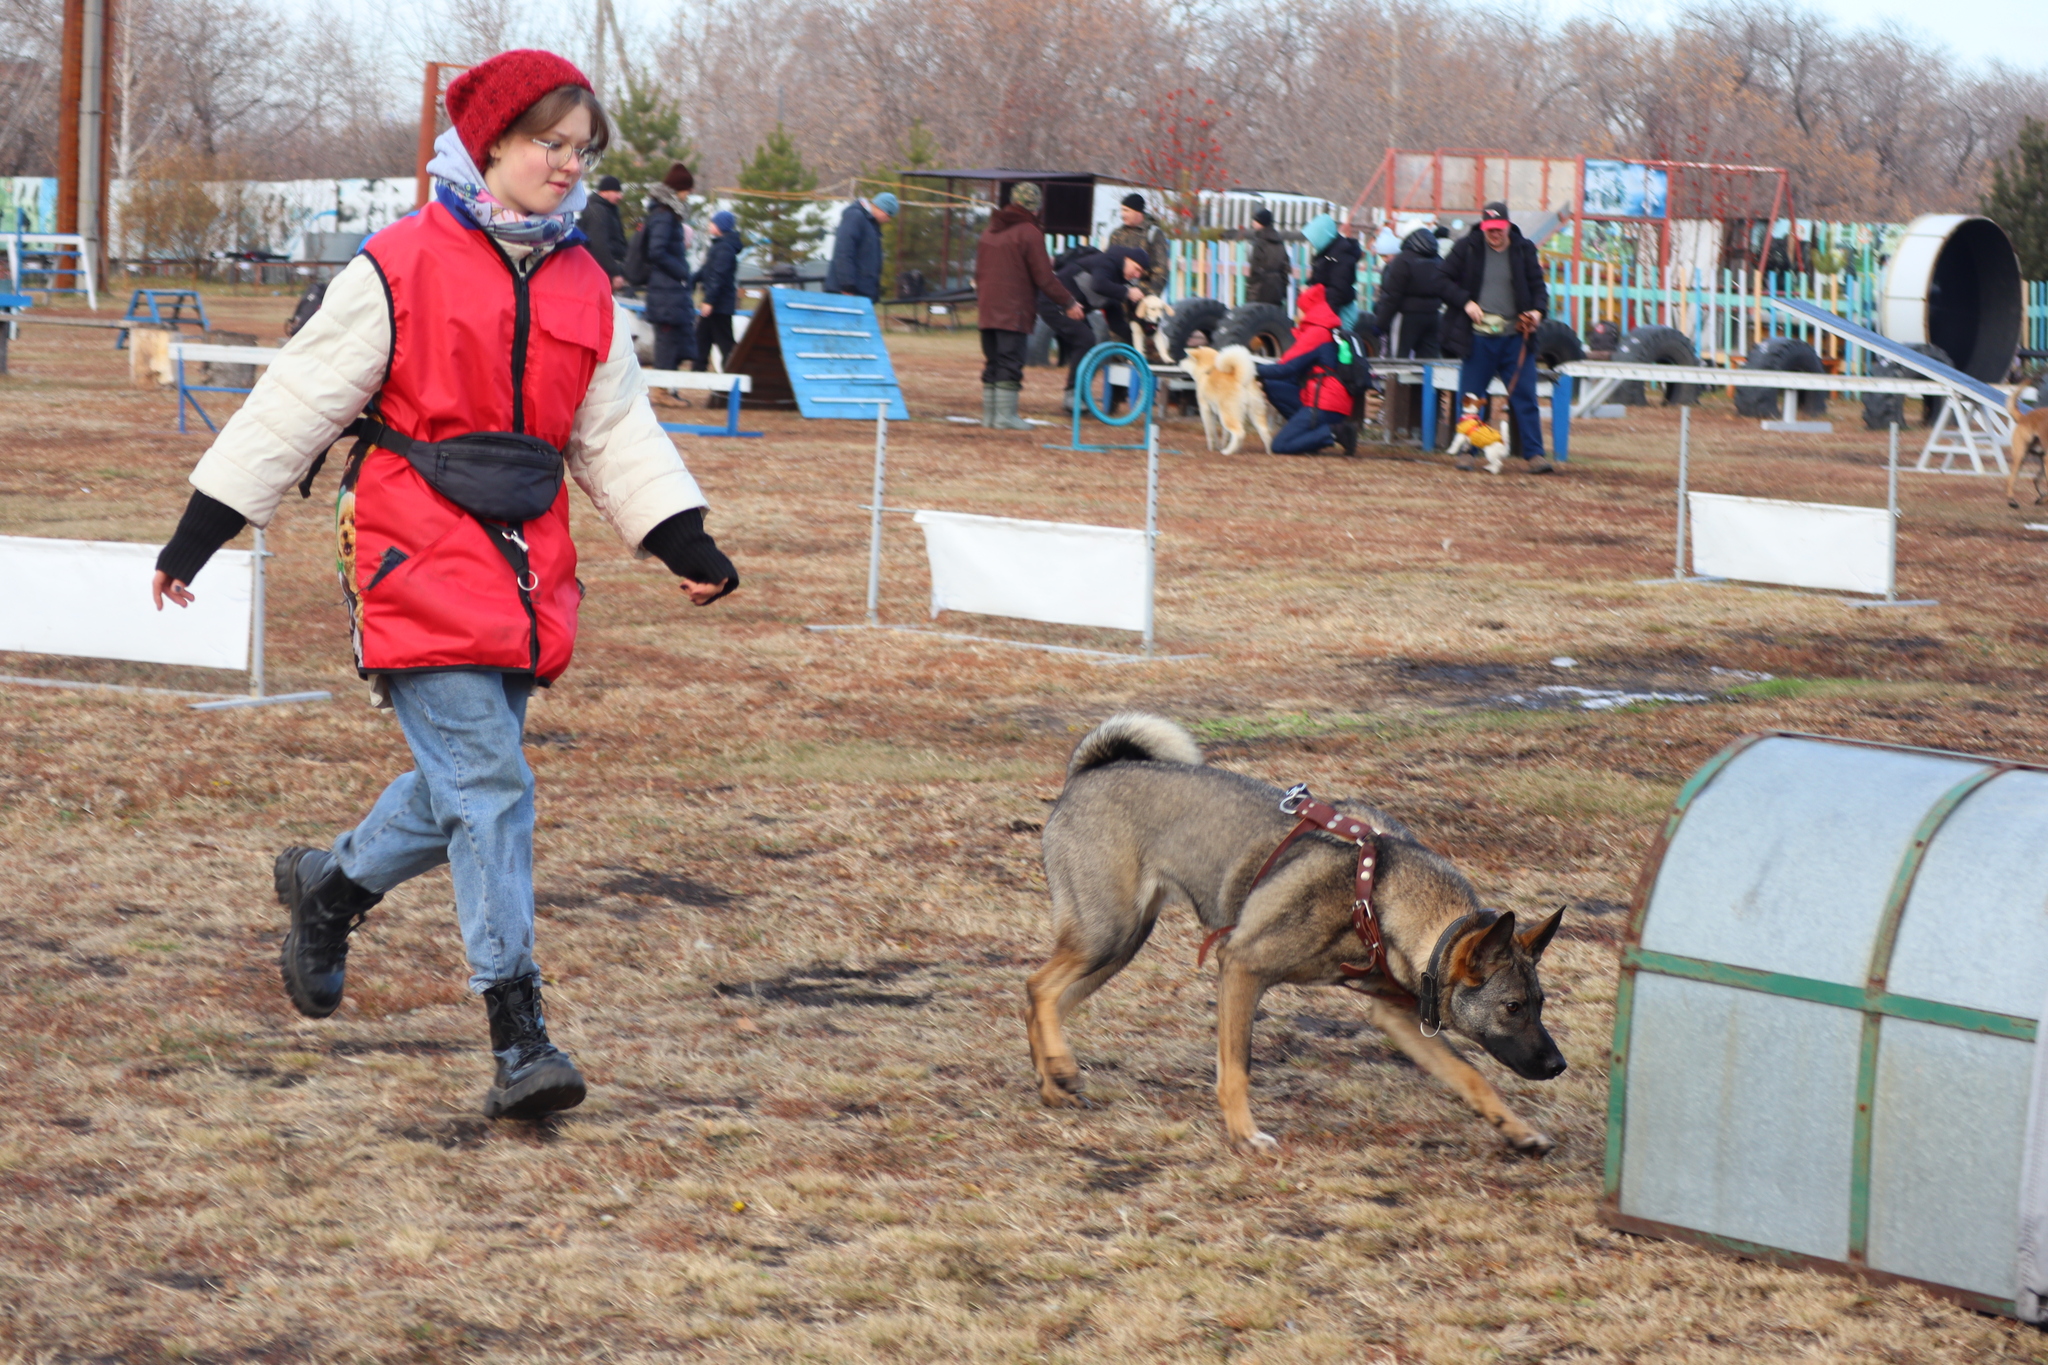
pixel 534 172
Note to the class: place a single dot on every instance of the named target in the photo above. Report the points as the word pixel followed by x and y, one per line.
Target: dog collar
pixel 1429 992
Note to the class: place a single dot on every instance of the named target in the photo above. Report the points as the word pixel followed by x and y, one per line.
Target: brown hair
pixel 551 108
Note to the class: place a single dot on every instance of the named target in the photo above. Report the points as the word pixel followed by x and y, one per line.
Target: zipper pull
pixel 511 533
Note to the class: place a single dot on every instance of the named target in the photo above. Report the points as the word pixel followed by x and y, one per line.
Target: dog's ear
pixel 1478 956
pixel 1536 940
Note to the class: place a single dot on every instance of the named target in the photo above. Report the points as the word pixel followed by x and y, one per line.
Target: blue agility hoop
pixel 1143 387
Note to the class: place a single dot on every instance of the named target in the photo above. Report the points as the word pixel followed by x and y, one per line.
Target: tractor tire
pixel 1194 323
pixel 1556 343
pixel 1780 353
pixel 1262 328
pixel 1880 410
pixel 1656 346
pixel 1038 350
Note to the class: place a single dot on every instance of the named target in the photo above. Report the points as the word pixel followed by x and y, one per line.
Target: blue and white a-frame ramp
pixel 822 354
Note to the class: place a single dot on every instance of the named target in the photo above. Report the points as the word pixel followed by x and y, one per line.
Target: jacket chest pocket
pixel 576 321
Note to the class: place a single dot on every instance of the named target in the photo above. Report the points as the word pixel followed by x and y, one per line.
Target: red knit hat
pixel 489 98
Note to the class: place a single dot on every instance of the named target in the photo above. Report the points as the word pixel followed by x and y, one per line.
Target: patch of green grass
pixel 1778 688
pixel 1281 725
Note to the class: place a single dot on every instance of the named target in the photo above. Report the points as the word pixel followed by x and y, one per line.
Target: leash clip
pixel 1297 796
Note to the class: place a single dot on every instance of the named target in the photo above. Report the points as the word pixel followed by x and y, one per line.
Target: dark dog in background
pixel 1142 823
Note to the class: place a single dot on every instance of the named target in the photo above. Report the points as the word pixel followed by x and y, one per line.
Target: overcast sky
pixel 2014 31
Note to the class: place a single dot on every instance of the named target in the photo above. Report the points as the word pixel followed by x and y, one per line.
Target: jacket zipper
pixel 510 543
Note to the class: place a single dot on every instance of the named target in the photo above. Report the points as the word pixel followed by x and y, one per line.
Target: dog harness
pixel 1315 815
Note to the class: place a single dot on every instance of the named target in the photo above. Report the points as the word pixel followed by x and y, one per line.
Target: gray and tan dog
pixel 1143 823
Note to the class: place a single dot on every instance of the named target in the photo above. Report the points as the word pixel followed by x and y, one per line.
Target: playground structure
pixel 1811 925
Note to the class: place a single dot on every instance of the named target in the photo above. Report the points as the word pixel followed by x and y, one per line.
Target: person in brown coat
pixel 1011 269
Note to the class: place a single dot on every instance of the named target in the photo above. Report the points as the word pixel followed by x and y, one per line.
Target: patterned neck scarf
pixel 454 168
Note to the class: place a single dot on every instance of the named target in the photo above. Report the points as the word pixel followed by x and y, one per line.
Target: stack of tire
pixel 1656 346
pixel 1880 410
pixel 1787 354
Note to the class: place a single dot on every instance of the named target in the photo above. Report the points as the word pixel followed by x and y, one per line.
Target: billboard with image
pixel 1625 189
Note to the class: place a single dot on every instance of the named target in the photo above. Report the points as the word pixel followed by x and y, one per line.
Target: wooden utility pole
pixel 430 109
pixel 83 129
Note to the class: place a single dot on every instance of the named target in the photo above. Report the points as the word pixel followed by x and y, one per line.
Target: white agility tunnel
pixel 1799 544
pixel 1824 1034
pixel 90 599
pixel 1052 571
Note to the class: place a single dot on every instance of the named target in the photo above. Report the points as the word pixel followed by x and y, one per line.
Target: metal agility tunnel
pixel 1824 1029
pixel 1954 282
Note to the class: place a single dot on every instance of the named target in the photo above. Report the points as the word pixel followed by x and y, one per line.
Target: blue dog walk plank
pixel 835 356
pixel 1896 351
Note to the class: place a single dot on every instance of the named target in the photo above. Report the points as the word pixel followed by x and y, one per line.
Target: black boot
pixel 326 908
pixel 1347 437
pixel 534 1076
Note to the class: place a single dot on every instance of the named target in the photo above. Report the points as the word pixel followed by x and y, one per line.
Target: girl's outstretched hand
pixel 162 585
pixel 703 594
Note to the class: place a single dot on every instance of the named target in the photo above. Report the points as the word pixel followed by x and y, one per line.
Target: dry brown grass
pixel 789 890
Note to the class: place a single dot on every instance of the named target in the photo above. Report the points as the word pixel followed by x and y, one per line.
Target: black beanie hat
pixel 1135 201
pixel 1264 218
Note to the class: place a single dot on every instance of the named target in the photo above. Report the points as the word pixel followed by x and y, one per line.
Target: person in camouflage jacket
pixel 1141 230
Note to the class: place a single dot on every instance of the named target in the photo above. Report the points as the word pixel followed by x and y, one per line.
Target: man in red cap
pixel 1493 281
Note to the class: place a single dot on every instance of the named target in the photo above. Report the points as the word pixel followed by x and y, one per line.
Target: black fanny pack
pixel 505 476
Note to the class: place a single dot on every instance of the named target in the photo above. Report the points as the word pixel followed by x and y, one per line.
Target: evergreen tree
pixel 2018 201
pixel 779 216
pixel 916 238
pixel 647 138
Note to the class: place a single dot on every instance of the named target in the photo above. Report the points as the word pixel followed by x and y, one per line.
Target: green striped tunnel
pixel 1824 1029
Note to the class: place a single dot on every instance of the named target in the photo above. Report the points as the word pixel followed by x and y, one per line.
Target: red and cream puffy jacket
pixel 437 325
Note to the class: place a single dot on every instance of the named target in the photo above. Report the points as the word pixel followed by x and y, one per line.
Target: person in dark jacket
pixel 857 247
pixel 1335 267
pixel 1493 282
pixel 668 279
pixel 718 278
pixel 1303 385
pixel 1011 272
pixel 600 223
pixel 1266 280
pixel 1409 309
pixel 1102 281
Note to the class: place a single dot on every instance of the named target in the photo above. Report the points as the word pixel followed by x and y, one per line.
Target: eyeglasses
pixel 560 154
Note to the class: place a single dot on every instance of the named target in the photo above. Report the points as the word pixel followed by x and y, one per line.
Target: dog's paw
pixel 1529 1142
pixel 1258 1144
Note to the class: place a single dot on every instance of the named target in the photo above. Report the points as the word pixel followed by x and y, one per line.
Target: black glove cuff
pixel 681 543
pixel 206 526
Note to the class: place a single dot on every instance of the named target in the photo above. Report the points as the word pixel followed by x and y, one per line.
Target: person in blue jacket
pixel 668 281
pixel 717 278
pixel 857 248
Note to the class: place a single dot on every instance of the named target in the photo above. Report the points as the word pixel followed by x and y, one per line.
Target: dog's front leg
pixel 1435 1056
pixel 1237 1000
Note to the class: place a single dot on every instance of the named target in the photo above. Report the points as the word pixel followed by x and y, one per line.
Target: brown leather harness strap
pixel 1315 815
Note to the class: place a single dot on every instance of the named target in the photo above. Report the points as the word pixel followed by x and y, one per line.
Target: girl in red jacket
pixel 1303 385
pixel 479 343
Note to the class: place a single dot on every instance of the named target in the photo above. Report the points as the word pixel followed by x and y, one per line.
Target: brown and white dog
pixel 2029 443
pixel 1227 392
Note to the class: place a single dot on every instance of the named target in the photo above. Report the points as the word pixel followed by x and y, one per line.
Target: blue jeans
pixel 1306 432
pixel 1284 396
pixel 1495 356
pixel 467 803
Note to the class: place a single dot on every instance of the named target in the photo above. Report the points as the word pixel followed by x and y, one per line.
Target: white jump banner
pixel 90 598
pixel 1038 570
pixel 1798 544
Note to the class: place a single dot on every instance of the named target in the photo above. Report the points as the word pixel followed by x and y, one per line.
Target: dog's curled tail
pixel 1136 736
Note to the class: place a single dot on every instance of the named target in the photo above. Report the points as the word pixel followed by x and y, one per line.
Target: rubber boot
pixel 534 1076
pixel 1006 418
pixel 1067 401
pixel 326 907
pixel 988 405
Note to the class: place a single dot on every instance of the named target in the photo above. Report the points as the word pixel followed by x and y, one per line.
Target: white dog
pixel 1155 310
pixel 1228 393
